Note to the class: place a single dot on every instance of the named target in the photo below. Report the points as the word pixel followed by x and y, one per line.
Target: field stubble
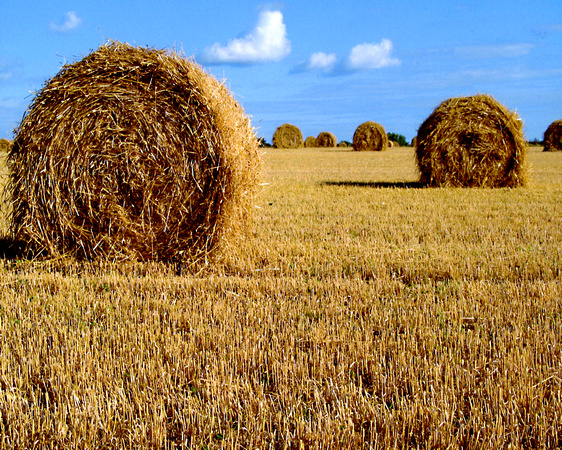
pixel 363 312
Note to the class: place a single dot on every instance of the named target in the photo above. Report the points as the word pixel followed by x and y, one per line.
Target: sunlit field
pixel 361 311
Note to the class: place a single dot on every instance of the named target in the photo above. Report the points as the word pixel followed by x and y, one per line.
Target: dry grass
pixel 472 141
pixel 365 312
pixel 132 153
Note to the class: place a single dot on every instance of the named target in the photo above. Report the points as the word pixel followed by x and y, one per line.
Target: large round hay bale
pixel 287 136
pixel 132 153
pixel 553 137
pixel 370 136
pixel 310 142
pixel 471 141
pixel 326 139
pixel 414 141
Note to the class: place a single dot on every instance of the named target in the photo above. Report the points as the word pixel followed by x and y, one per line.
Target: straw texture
pixel 132 153
pixel 471 141
pixel 310 142
pixel 288 136
pixel 553 137
pixel 326 139
pixel 370 136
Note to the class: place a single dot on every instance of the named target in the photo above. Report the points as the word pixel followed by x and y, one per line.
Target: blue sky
pixel 321 65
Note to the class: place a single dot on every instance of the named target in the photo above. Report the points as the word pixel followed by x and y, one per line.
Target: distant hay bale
pixel 553 137
pixel 390 144
pixel 5 145
pixel 287 136
pixel 326 139
pixel 344 144
pixel 471 141
pixel 394 143
pixel 414 141
pixel 132 153
pixel 370 136
pixel 310 142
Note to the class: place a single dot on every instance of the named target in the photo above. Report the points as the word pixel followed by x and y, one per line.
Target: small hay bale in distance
pixel 326 139
pixel 287 136
pixel 310 142
pixel 471 141
pixel 132 153
pixel 553 137
pixel 370 136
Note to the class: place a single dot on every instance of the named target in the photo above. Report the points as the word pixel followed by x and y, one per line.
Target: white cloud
pixel 494 51
pixel 70 23
pixel 266 42
pixel 322 61
pixel 371 56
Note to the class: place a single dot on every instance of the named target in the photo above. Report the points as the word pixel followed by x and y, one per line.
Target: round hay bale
pixel 132 153
pixel 287 136
pixel 471 141
pixel 310 142
pixel 5 145
pixel 326 139
pixel 370 136
pixel 414 141
pixel 553 137
pixel 394 144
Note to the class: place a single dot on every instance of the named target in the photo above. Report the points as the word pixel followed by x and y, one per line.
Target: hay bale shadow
pixel 378 184
pixel 11 249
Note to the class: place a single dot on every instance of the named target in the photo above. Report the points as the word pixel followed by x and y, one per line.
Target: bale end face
pixel 326 139
pixel 471 141
pixel 310 142
pixel 288 136
pixel 132 153
pixel 370 136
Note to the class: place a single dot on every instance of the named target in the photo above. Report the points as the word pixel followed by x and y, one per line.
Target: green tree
pixel 398 138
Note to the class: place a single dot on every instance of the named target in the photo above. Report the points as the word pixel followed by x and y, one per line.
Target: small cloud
pixel 322 61
pixel 71 22
pixel 371 56
pixel 494 51
pixel 266 42
pixel 361 57
pixel 318 61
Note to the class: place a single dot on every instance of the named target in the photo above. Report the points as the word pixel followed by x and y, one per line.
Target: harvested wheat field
pixel 363 312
